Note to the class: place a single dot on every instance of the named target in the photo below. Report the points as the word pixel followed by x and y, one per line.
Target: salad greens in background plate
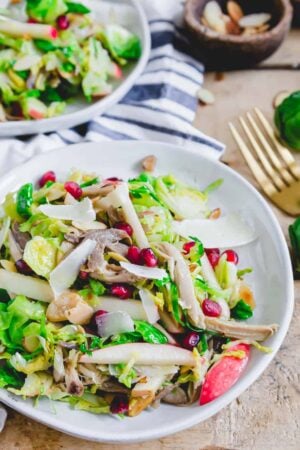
pixel 69 63
pixel 266 253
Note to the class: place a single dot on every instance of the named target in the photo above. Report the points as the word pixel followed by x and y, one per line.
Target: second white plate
pixel 125 12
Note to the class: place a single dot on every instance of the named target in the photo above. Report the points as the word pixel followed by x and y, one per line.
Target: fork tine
pixel 282 171
pixel 267 166
pixel 255 168
pixel 283 151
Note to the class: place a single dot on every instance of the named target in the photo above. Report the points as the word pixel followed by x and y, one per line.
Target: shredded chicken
pixel 14 248
pixel 240 330
pixel 73 384
pixel 20 237
pixel 184 283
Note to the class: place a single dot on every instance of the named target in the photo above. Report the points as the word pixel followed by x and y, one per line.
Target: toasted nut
pixel 278 99
pixel 212 13
pixel 215 214
pixel 69 306
pixel 232 28
pixel 204 22
pixel 235 11
pixel 149 163
pixel 263 28
pixel 254 20
pixel 219 76
pixel 249 31
pixel 205 96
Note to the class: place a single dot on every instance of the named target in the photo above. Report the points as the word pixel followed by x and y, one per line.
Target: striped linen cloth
pixel 160 106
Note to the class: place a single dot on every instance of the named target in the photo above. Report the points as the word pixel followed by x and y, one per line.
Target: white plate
pixel 272 278
pixel 125 12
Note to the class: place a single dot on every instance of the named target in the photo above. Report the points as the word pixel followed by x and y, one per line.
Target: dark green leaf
pixel 44 45
pixel 4 297
pixel 287 120
pixel 90 182
pixel 294 232
pixel 126 338
pixel 48 96
pixel 150 333
pixel 10 377
pixel 97 287
pixel 241 311
pixel 68 67
pixel 77 8
pixel 24 74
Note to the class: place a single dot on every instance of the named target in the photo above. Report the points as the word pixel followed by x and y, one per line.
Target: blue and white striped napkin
pixel 160 106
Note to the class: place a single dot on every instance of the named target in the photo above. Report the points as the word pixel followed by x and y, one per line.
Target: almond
pixel 232 27
pixel 235 11
pixel 254 20
pixel 263 28
pixel 149 163
pixel 215 214
pixel 205 96
pixel 213 14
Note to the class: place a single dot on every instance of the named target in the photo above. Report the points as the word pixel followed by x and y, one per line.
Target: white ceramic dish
pixel 125 12
pixel 272 279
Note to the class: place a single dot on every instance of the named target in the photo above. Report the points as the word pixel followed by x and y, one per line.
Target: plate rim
pixel 72 119
pixel 212 408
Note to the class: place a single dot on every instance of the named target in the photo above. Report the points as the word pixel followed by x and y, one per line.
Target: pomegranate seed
pixel 73 188
pixel 16 109
pixel 124 227
pixel 100 313
pixel 53 33
pixel 83 275
pixel 48 176
pixel 63 22
pixel 22 267
pixel 113 179
pixel 213 255
pixel 121 290
pixel 148 257
pixel 32 20
pixel 119 405
pixel 188 246
pixel 231 256
pixel 211 308
pixel 190 340
pixel 134 254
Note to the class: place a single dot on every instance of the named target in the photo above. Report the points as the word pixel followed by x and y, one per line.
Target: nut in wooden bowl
pixel 232 34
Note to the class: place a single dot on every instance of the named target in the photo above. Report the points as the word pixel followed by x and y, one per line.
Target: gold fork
pixel 277 174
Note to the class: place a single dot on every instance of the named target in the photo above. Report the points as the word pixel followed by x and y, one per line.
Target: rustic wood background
pixel 266 416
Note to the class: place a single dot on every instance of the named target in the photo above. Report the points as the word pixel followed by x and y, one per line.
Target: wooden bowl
pixel 224 51
pixel 296 7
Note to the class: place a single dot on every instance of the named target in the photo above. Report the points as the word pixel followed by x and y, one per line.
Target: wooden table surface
pixel 267 415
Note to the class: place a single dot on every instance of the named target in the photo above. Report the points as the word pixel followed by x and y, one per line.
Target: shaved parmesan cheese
pixel 149 306
pixel 80 211
pixel 133 307
pixel 113 323
pixel 64 275
pixel 119 197
pixel 150 273
pixel 227 231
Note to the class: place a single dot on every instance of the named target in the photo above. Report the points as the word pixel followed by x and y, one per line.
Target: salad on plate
pixel 115 296
pixel 53 52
